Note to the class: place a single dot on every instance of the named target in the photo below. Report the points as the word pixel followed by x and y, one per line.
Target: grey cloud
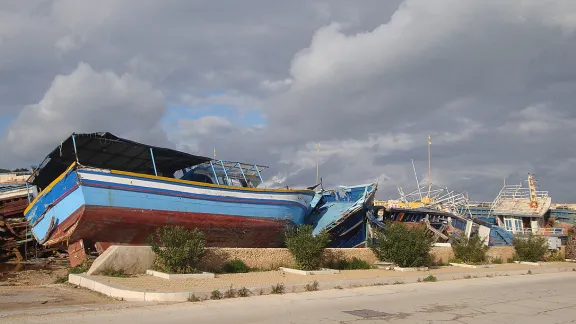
pixel 85 101
pixel 493 82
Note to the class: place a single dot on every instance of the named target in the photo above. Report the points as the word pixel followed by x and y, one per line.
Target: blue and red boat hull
pixel 95 205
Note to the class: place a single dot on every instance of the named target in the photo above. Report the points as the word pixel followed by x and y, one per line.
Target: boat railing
pixel 230 170
pixel 553 231
pixel 542 231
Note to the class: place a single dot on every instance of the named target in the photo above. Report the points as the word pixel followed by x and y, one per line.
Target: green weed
pixel 312 287
pixel 278 289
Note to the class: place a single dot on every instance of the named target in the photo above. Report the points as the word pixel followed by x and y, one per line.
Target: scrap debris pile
pixel 13 229
pixel 16 241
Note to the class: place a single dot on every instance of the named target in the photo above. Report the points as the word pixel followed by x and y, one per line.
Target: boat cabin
pixel 107 151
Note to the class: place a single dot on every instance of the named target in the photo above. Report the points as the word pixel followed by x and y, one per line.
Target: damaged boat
pixel 443 225
pixel 342 213
pixel 98 189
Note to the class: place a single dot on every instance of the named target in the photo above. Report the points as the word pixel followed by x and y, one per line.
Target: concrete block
pixel 532 263
pixel 87 282
pixel 128 259
pixel 74 279
pixel 473 266
pixel 173 296
pixel 384 265
pixel 102 288
pixel 129 295
pixel 310 273
pixel 171 276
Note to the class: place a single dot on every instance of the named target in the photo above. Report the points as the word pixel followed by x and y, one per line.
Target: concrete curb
pixel 472 266
pixel 309 273
pixel 172 276
pixel 120 292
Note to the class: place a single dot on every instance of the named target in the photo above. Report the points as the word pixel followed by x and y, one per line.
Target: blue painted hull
pixel 103 206
pixel 343 214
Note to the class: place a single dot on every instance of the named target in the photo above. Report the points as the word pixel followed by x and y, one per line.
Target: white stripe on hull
pixel 109 178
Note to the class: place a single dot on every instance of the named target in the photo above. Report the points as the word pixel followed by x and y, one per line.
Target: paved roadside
pixel 546 298
pixel 260 283
pixel 267 278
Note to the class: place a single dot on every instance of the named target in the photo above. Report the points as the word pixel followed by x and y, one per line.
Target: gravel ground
pixel 36 289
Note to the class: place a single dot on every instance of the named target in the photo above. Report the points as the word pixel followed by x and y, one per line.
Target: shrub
pixel 531 248
pixel 406 247
pixel 354 264
pixel 115 273
pixel 497 260
pixel 278 289
pixel 235 266
pixel 470 250
pixel 312 287
pixel 81 268
pixel 61 279
pixel 230 293
pixel 555 256
pixel 430 278
pixel 178 250
pixel 306 248
pixel 216 294
pixel 192 298
pixel 244 292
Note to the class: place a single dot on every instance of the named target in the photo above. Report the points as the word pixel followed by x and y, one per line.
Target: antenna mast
pixel 429 181
pixel 417 182
pixel 317 162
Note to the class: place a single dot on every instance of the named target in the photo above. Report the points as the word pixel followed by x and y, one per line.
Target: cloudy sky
pixel 493 82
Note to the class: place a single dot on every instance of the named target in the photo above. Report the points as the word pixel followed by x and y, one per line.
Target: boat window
pixel 508 224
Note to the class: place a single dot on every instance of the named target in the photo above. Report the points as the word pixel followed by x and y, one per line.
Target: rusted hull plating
pixel 133 226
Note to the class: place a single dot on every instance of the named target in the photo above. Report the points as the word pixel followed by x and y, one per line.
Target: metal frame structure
pixel 517 191
pixel 440 198
pixel 232 169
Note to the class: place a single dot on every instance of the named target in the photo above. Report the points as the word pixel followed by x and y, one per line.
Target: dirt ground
pixel 36 288
pixel 268 278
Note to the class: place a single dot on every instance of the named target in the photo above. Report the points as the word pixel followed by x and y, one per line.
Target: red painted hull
pixel 133 226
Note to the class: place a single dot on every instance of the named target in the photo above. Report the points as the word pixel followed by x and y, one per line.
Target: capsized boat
pixel 440 223
pixel 98 189
pixel 342 213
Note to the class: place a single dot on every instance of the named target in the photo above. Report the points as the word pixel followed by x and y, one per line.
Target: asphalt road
pixel 523 299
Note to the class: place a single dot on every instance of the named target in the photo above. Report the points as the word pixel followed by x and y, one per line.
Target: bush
pixel 61 279
pixel 178 250
pixel 216 294
pixel 235 266
pixel 312 287
pixel 497 260
pixel 555 256
pixel 81 268
pixel 278 289
pixel 244 292
pixel 406 247
pixel 430 278
pixel 470 250
pixel 531 248
pixel 306 248
pixel 354 264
